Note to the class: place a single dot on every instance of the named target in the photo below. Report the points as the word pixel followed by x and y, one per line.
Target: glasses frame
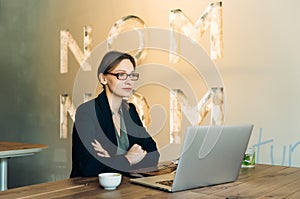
pixel 117 75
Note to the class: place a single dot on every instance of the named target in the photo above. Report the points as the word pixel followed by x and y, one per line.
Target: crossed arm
pixel 134 155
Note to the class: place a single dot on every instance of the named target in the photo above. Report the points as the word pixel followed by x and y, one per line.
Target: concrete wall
pixel 259 71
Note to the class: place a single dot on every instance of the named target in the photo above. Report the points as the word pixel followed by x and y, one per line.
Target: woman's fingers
pixel 135 154
pixel 99 149
pixel 136 148
pixel 97 142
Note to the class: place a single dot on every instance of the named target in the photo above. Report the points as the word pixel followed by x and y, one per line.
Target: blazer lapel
pixel 104 116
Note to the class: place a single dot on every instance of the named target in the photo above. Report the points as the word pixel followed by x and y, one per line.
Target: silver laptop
pixel 210 155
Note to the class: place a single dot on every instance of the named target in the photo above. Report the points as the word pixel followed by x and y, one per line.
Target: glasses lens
pixel 134 76
pixel 122 76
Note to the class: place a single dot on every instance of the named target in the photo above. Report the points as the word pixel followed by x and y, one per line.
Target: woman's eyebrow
pixel 121 70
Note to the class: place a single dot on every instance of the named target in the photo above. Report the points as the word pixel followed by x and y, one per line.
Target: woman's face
pixel 120 88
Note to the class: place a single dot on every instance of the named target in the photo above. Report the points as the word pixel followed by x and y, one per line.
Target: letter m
pixel 179 23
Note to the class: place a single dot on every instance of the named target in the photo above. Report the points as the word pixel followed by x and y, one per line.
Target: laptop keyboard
pixel 166 182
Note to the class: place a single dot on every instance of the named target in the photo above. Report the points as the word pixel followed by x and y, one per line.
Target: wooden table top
pixel 13 149
pixel 263 181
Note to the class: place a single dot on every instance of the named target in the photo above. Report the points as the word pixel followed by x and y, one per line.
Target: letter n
pixel 67 41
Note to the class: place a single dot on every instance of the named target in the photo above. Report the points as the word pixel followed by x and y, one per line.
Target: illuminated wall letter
pixel 67 41
pixel 212 101
pixel 216 106
pixel 142 107
pixel 129 23
pixel 175 116
pixel 66 106
pixel 178 22
pixel 87 97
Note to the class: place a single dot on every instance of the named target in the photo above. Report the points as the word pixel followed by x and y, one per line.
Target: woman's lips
pixel 127 89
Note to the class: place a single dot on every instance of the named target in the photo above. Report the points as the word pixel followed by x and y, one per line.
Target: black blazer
pixel 93 120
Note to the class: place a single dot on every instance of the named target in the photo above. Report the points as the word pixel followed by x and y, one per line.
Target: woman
pixel 108 135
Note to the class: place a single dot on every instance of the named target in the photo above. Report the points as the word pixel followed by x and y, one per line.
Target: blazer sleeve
pixel 138 134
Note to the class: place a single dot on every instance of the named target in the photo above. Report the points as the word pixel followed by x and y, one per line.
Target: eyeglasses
pixel 124 76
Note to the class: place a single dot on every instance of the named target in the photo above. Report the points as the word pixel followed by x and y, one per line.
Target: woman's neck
pixel 114 102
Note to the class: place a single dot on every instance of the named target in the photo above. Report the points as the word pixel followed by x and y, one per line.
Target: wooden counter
pixel 263 181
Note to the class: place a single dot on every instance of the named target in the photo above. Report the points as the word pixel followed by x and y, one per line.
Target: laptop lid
pixel 210 155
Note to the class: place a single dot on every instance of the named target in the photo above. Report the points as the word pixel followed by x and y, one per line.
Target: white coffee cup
pixel 110 181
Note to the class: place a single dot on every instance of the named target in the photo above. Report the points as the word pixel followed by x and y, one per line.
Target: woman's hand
pixel 99 149
pixel 135 154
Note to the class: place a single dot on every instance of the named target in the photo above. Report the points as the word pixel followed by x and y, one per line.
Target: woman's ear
pixel 102 78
